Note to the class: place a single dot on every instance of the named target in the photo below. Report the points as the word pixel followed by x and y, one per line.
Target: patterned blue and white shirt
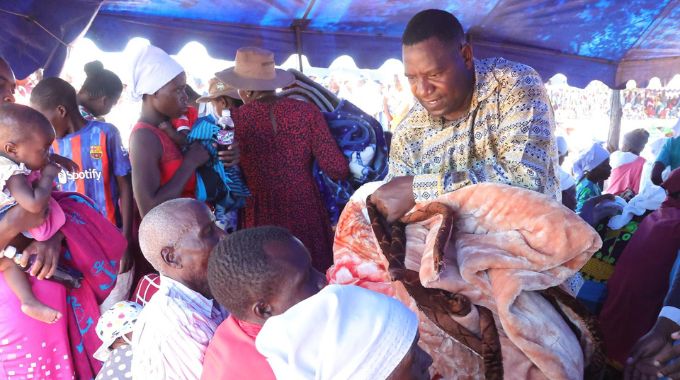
pixel 508 136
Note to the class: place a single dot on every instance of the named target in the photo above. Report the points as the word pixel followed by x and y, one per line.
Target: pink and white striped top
pixel 172 333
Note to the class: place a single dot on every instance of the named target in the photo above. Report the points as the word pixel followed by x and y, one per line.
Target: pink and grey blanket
pixel 482 268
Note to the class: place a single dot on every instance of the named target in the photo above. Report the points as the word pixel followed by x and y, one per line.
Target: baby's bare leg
pixel 18 283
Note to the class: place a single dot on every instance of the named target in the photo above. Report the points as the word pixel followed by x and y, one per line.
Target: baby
pixel 114 328
pixel 178 129
pixel 27 173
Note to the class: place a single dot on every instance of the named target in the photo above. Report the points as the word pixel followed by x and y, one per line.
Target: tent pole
pixel 298 26
pixel 615 114
pixel 298 47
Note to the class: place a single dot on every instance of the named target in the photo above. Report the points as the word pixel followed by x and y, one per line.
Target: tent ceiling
pixel 609 40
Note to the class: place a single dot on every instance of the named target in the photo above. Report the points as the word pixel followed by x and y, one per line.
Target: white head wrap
pixel 343 332
pixel 152 69
pixel 562 147
pixel 589 160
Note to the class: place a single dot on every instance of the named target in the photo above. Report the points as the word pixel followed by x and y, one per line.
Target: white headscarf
pixel 343 332
pixel 589 160
pixel 152 69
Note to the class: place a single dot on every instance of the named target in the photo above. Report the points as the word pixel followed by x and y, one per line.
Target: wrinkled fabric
pixel 637 287
pixel 214 183
pixel 361 139
pixel 152 69
pixel 359 136
pixel 626 176
pixel 592 289
pixel 499 257
pixel 342 332
pixel 98 259
pixel 649 200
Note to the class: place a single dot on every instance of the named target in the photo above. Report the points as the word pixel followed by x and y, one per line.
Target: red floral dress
pixel 277 166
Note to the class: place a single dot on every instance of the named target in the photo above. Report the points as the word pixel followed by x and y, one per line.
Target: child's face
pixel 35 151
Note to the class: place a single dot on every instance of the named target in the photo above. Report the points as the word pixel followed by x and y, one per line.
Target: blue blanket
pixel 215 184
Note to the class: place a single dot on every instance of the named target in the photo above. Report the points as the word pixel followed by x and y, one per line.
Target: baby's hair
pixel 18 123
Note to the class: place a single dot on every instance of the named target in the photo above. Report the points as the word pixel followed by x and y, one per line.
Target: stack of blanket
pixel 359 136
pixel 482 268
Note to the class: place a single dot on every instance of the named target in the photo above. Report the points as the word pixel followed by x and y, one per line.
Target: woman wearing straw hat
pixel 280 137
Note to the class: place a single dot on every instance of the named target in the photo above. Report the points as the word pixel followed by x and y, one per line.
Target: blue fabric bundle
pixel 215 184
pixel 357 134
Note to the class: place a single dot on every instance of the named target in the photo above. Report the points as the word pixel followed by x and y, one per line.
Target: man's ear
pixel 171 258
pixel 10 149
pixel 62 112
pixel 262 310
pixel 466 51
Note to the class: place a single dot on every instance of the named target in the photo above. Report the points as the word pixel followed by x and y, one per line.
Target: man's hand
pixel 653 347
pixel 667 360
pixel 47 256
pixel 395 198
pixel 231 156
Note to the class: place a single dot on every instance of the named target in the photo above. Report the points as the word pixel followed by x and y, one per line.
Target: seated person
pixel 174 328
pixel 345 332
pixel 591 170
pixel 255 273
pixel 636 289
pixel 114 328
pixel 567 183
pixel 656 354
pixel 627 164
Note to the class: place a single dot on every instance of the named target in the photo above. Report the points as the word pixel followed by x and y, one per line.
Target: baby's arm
pixel 33 200
pixel 178 138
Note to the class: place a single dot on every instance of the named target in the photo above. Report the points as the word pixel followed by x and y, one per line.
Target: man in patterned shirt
pixel 475 121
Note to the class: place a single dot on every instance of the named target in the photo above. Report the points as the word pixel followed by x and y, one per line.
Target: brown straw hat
pixel 255 70
pixel 217 88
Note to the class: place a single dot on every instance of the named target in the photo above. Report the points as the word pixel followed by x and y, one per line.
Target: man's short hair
pixel 53 92
pixel 239 270
pixel 433 23
pixel 161 228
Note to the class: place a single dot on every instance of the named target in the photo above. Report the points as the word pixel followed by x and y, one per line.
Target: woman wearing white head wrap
pixel 152 69
pixel 160 171
pixel 591 170
pixel 567 183
pixel 344 332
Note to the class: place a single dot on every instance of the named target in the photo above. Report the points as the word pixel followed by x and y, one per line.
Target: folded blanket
pixel 501 248
pixel 359 136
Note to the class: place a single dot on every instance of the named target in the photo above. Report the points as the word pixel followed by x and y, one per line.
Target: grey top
pixel 118 366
